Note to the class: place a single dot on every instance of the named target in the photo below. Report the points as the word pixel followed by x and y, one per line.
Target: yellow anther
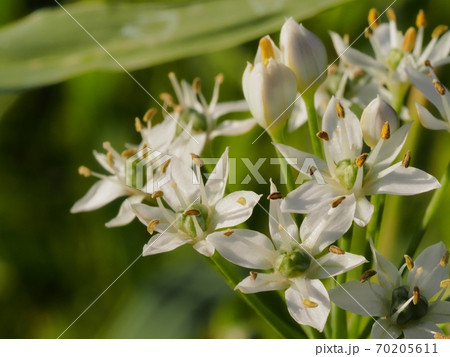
pixel 138 124
pixel 391 14
pixel 196 84
pixel 149 114
pixel 164 166
pixel 367 32
pixel 228 232
pixel 192 212
pixel 385 131
pixel 267 51
pixel 84 171
pixel 445 283
pixel 151 225
pixel 367 275
pixel 309 303
pixel 444 259
pixel 242 201
pixel 275 196
pixel 197 160
pixel 323 135
pixel 157 194
pixel 421 19
pixel 336 250
pixel 109 159
pixel 406 159
pixel 438 31
pixel 409 40
pixel 128 153
pixel 253 275
pixel 409 262
pixel 373 18
pixel 340 110
pixel 167 99
pixel 361 159
pixel 439 87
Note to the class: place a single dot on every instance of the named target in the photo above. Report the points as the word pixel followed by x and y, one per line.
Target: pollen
pixel 445 283
pixel 409 40
pixel 267 51
pixel 421 19
pixel 367 275
pixel 157 194
pixel 149 114
pixel 128 153
pixel 409 262
pixel 406 159
pixel 253 275
pixel 228 232
pixel 336 250
pixel 444 259
pixel 439 30
pixel 197 160
pixel 109 159
pixel 391 14
pixel 84 171
pixel 164 166
pixel 385 131
pixel 340 110
pixel 323 135
pixel 242 201
pixel 151 225
pixel 373 18
pixel 361 159
pixel 439 87
pixel 416 295
pixel 275 196
pixel 337 202
pixel 192 212
pixel 309 303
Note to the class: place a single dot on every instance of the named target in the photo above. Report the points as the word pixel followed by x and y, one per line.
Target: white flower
pixel 269 87
pixel 293 264
pixel 304 53
pixel 408 308
pixel 349 176
pixel 437 94
pixel 195 210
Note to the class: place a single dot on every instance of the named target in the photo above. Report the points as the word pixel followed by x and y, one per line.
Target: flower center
pixel 410 312
pixel 294 263
pixel 346 172
pixel 393 58
pixel 199 121
pixel 193 219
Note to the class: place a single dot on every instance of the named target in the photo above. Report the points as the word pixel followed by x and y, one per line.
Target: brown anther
pixel 109 159
pixel 336 250
pixel 196 84
pixel 385 131
pixel 416 295
pixel 367 275
pixel 192 212
pixel 337 202
pixel 128 153
pixel 409 40
pixel 368 32
pixel 228 232
pixel 242 201
pixel 309 303
pixel 149 114
pixel 421 19
pixel 253 275
pixel 219 78
pixel 151 225
pixel 332 69
pixel 167 99
pixel 138 124
pixel 445 284
pixel 391 14
pixel 439 87
pixel 340 110
pixel 444 259
pixel 197 160
pixel 157 194
pixel 164 167
pixel 275 196
pixel 373 18
pixel 84 171
pixel 361 159
pixel 323 135
pixel 409 262
pixel 406 159
pixel 441 336
pixel 438 31
pixel 311 170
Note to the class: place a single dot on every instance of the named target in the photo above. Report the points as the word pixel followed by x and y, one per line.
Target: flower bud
pixel 376 114
pixel 305 54
pixel 269 87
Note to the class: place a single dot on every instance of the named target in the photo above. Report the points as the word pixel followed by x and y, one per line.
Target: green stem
pixel 313 124
pixel 373 228
pixel 255 302
pixel 286 173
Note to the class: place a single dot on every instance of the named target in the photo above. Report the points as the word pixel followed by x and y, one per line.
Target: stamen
pixel 309 303
pixel 164 166
pixel 149 114
pixel 84 171
pixel 267 51
pixel 445 283
pixel 323 135
pixel 367 32
pixel 192 212
pixel 385 131
pixel 409 262
pixel 275 196
pixel 440 336
pixel 215 94
pixel 253 275
pixel 391 14
pixel 373 18
pixel 340 110
pixel 311 170
pixel 416 295
pixel 196 85
pixel 197 160
pixel 421 19
pixel 444 259
pixel 157 194
pixel 439 87
pixel 228 232
pixel 138 124
pixel 367 275
pixel 405 163
pixel 177 88
pixel 219 78
pixel 242 201
pixel 151 225
pixel 128 153
pixel 167 99
pixel 336 250
pixel 409 40
pixel 109 159
pixel 361 159
pixel 337 202
pixel 439 30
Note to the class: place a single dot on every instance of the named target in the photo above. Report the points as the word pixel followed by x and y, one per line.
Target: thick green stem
pixel 313 124
pixel 254 301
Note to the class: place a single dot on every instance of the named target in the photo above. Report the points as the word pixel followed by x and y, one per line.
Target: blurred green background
pixel 54 264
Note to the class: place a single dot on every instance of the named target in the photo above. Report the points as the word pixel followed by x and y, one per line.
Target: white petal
pixel 426 86
pixel 345 135
pixel 232 210
pixel 367 299
pixel 100 194
pixel 363 212
pixel 163 242
pixel 314 291
pixel 298 116
pixel 146 213
pixel 398 180
pixel 441 50
pixel 307 197
pixel 263 282
pixel 429 121
pixel 233 127
pixel 388 275
pixel 382 329
pixel 126 214
pixel 204 247
pixel 230 107
pixel 217 180
pixel 101 159
pixel 420 330
pixel 334 264
pixel 249 249
pixel 161 135
pixel 325 224
pixel 438 312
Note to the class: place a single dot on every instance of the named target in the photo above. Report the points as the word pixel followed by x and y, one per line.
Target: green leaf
pixel 49 45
